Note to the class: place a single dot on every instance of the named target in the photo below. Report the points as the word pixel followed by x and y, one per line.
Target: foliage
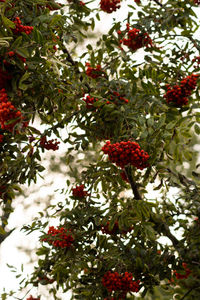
pixel 107 243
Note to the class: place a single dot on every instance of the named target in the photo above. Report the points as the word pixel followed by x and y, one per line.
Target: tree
pixel 134 122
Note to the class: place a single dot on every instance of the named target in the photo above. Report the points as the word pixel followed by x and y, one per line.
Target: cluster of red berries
pixel 178 93
pixel 59 237
pixel 114 281
pixel 49 145
pixel 78 192
pixel 116 97
pixel 109 5
pixel 12 53
pixel 8 112
pixel 115 230
pixel 21 28
pixel 185 275
pixel 196 60
pixel 136 39
pixel 32 298
pixel 94 72
pixel 126 153
pixel 137 1
pixel 90 101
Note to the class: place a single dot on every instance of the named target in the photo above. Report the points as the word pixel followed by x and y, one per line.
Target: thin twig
pixel 156 1
pixel 188 292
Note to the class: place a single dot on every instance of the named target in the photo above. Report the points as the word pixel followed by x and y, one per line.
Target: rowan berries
pixel 114 98
pixel 8 112
pixel 136 39
pixel 49 145
pixel 196 60
pixel 94 72
pixel 78 192
pixel 115 230
pixel 185 275
pixel 114 281
pixel 90 101
pixel 21 28
pixel 59 237
pixel 178 93
pixel 109 5
pixel 126 153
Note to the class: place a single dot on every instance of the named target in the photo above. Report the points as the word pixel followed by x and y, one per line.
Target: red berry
pixel 59 237
pixel 109 5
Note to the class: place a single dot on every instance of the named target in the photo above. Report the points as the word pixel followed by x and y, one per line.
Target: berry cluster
pixel 115 230
pixel 8 112
pixel 109 5
pixel 21 28
pixel 136 39
pixel 196 60
pixel 78 192
pixel 90 101
pixel 178 93
pixel 32 298
pixel 12 53
pixel 185 275
pixel 94 72
pixel 116 97
pixel 49 145
pixel 59 237
pixel 114 281
pixel 126 153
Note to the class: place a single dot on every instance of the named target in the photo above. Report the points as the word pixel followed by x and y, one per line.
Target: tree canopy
pixel 125 108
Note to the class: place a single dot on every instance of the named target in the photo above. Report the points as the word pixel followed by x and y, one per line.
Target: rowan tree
pixel 130 104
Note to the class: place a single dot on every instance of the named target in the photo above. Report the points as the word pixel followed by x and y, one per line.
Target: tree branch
pixel 164 228
pixel 134 187
pixel 160 4
pixel 75 65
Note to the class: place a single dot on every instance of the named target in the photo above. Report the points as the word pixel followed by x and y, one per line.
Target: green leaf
pixel 8 23
pixel 23 52
pixel 2 231
pixel 22 85
pixel 197 129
